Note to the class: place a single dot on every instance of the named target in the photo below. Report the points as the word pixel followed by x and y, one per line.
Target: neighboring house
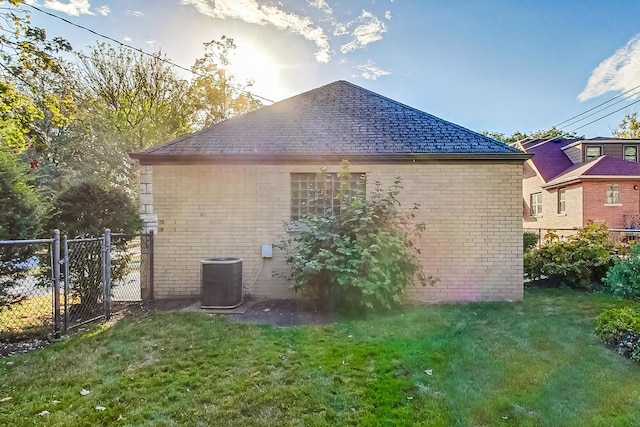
pixel 228 189
pixel 569 183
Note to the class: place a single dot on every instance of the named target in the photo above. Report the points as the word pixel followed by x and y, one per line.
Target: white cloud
pixel 71 7
pixel 369 31
pixel 321 5
pixel 387 15
pixel 620 72
pixel 104 10
pixel 370 71
pixel 135 13
pixel 252 12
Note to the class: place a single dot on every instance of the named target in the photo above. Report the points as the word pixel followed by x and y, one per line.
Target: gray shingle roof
pixel 336 119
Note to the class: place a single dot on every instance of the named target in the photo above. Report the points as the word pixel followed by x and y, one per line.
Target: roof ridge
pixel 337 118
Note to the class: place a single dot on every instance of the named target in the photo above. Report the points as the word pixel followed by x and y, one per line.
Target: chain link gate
pixel 57 284
pixel 85 274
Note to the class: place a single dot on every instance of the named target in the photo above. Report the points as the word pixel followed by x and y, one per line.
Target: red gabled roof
pixel 612 166
pixel 549 159
pixel 602 166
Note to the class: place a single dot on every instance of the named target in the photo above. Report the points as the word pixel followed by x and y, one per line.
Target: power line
pixel 599 105
pixel 602 109
pixel 156 56
pixel 606 115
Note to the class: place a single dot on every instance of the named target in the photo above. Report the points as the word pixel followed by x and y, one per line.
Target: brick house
pixel 228 189
pixel 569 183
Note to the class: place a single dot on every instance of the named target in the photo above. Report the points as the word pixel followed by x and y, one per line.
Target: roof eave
pixel 576 179
pixel 187 159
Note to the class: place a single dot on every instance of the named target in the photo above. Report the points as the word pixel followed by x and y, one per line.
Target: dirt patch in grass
pixel 289 312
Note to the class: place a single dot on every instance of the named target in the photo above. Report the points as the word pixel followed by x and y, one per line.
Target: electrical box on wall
pixel 267 250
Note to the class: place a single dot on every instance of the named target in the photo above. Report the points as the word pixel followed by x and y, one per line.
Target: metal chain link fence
pixel 83 276
pixel 49 286
pixel 26 289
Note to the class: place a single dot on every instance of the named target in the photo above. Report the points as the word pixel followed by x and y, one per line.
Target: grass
pixel 531 363
pixel 31 317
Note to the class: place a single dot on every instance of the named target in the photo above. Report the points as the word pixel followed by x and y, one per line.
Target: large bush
pixel 619 328
pixel 364 257
pixel 578 262
pixel 623 278
pixel 86 209
pixel 19 219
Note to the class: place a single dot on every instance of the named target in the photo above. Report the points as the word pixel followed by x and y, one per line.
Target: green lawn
pixel 527 363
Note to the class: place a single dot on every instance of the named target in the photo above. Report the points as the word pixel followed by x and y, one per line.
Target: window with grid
pixel 592 152
pixel 613 194
pixel 317 193
pixel 536 204
pixel 631 153
pixel 562 201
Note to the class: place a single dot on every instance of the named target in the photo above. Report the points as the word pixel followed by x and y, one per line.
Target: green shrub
pixel 619 328
pixel 529 240
pixel 623 278
pixel 578 262
pixel 363 257
pixel 19 219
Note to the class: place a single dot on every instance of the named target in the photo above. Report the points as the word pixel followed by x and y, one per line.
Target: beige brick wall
pixel 473 212
pixel 550 217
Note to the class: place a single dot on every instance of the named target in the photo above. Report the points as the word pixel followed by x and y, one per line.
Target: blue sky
pixel 497 65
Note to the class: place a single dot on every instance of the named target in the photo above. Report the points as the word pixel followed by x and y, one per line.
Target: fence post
pixel 106 272
pixel 65 249
pixel 56 283
pixel 151 237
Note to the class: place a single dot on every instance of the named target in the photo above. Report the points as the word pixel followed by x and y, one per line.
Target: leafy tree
pixel 541 134
pixel 141 99
pixel 629 127
pixel 363 257
pixel 19 219
pixel 86 209
pixel 214 93
pixel 26 55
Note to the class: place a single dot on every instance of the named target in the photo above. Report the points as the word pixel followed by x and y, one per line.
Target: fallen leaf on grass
pixel 4 399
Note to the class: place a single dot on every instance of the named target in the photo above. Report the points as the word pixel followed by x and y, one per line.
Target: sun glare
pixel 250 63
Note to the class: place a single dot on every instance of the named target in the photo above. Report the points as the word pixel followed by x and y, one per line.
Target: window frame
pixel 562 201
pixel 614 199
pixel 326 187
pixel 535 209
pixel 588 158
pixel 624 154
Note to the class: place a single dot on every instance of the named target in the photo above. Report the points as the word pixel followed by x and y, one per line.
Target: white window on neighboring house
pixel 562 201
pixel 536 204
pixel 613 194
pixel 317 193
pixel 592 152
pixel 631 153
